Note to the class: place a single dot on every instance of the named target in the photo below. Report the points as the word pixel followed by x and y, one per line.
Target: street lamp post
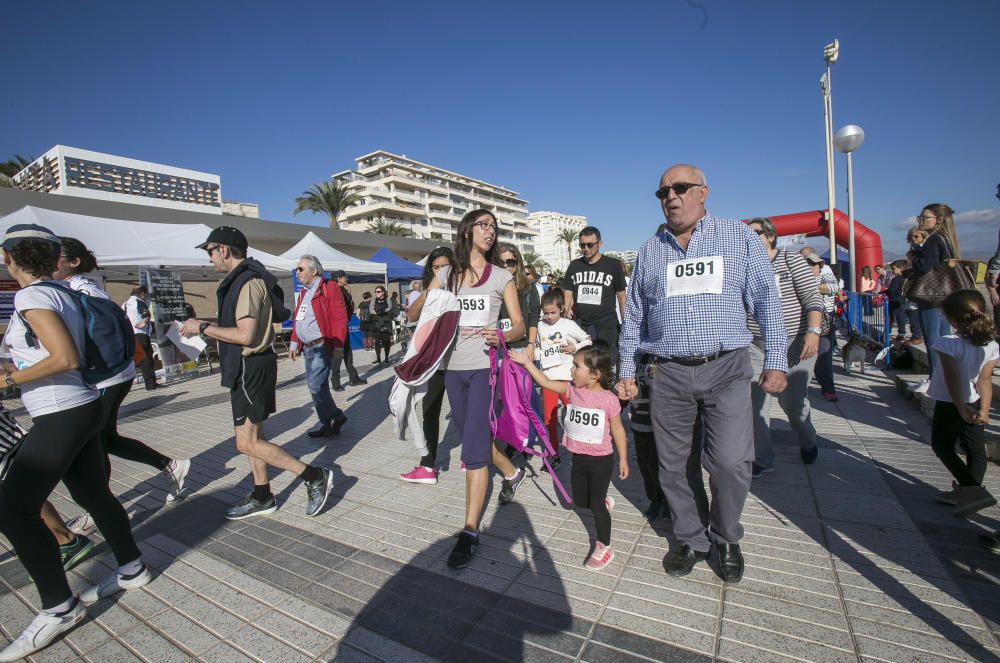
pixel 847 139
pixel 830 54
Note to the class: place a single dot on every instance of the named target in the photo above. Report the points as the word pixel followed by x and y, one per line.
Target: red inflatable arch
pixel 867 242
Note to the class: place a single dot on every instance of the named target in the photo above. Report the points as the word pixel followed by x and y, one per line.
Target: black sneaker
pixel 464 550
pixel 337 425
pixel 338 387
pixel 73 552
pixel 358 381
pixel 510 486
pixel 554 462
pixel 318 491
pixel 809 455
pixel 251 507
pixel 759 471
pixel 654 511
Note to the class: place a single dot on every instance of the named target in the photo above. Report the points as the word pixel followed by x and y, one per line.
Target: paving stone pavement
pixel 847 560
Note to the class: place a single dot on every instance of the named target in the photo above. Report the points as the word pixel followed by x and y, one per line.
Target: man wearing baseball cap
pixel 249 301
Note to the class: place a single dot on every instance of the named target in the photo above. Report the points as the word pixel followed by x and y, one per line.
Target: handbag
pixel 11 437
pixel 930 289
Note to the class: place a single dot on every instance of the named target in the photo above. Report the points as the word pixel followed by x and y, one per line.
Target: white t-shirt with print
pixel 58 392
pixel 969 360
pixel 81 283
pixel 556 364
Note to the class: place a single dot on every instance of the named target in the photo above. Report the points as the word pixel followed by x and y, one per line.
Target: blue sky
pixel 579 106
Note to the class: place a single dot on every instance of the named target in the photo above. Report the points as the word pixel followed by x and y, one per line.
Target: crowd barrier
pixel 868 316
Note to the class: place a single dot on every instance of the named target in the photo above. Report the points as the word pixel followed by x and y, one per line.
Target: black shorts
pixel 253 396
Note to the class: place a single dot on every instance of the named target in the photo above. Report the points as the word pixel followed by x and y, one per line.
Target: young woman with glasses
pixel 383 312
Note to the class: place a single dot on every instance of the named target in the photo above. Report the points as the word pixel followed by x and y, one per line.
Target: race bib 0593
pixel 475 310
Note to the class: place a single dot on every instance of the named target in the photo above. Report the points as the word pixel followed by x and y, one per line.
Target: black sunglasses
pixel 210 249
pixel 588 245
pixel 680 189
pixel 510 263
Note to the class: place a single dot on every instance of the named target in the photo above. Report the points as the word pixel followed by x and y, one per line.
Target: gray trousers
pixel 717 395
pixel 794 401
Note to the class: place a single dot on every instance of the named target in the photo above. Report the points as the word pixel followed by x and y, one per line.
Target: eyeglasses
pixel 510 264
pixel 588 245
pixel 759 231
pixel 680 189
pixel 300 269
pixel 380 292
pixel 485 226
pixel 926 218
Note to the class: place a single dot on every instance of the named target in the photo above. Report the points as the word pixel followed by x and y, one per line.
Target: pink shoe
pixel 420 474
pixel 602 557
pixel 609 502
pixel 463 467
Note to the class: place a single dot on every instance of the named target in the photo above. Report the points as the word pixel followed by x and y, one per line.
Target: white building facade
pixel 551 226
pixel 428 200
pixel 71 171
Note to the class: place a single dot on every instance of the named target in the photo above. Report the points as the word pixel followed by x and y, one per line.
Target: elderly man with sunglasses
pixel 319 333
pixel 686 309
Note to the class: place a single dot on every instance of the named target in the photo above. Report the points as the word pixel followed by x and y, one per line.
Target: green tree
pixel 383 227
pixel 535 260
pixel 10 168
pixel 569 236
pixel 330 198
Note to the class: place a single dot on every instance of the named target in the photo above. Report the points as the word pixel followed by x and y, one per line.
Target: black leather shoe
pixel 337 425
pixel 680 562
pixel 730 562
pixel 359 381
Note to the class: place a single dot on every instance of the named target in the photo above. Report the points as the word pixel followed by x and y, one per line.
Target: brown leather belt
pixel 313 344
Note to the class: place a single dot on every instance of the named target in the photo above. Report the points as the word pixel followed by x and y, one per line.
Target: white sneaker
pixel 82 524
pixel 176 478
pixel 115 583
pixel 42 630
pixel 921 387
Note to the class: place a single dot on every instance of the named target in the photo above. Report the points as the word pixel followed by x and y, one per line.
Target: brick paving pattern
pixel 847 560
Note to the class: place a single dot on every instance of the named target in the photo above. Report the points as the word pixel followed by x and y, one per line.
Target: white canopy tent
pixel 118 243
pixel 331 258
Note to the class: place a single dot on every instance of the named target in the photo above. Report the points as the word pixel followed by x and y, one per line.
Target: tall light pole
pixel 830 54
pixel 848 139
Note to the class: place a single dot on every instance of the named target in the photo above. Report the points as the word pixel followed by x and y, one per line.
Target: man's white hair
pixel 313 262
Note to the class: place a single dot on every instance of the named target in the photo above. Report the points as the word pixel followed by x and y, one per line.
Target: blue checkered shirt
pixel 703 324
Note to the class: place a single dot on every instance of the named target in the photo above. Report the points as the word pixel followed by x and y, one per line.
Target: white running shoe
pixel 82 524
pixel 114 583
pixel 42 630
pixel 176 477
pixel 921 387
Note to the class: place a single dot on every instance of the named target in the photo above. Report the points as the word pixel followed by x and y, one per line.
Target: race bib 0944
pixel 590 294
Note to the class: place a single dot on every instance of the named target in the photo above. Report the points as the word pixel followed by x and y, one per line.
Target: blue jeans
pixel 318 360
pixel 934 325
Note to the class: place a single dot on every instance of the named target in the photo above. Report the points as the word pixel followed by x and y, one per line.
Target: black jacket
pixel 383 312
pixel 933 252
pixel 227 295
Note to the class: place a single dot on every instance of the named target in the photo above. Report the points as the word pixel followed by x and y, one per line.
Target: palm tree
pixel 383 227
pixel 330 198
pixel 569 236
pixel 535 260
pixel 10 168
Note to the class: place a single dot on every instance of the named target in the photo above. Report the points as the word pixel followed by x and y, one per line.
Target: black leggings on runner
pixel 591 476
pixel 62 446
pixel 431 406
pixel 117 445
pixel 383 341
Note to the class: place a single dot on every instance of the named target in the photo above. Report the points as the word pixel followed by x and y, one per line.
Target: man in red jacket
pixel 319 328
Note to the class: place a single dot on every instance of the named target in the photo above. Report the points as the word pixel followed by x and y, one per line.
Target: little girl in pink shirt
pixel 593 418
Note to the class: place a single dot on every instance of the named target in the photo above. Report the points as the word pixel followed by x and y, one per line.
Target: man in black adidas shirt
pixel 595 291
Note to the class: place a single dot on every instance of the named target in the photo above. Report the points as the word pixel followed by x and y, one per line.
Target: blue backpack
pixel 108 339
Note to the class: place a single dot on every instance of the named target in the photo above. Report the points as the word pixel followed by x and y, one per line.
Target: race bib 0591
pixel 696 276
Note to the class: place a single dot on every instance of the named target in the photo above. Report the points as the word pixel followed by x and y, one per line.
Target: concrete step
pixel 925 404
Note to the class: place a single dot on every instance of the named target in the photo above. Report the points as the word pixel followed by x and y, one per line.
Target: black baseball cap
pixel 225 235
pixel 338 274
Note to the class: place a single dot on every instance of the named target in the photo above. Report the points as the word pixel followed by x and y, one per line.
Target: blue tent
pixel 399 270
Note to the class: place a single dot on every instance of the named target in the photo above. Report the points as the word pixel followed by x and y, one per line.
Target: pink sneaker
pixel 602 557
pixel 463 467
pixel 420 474
pixel 609 502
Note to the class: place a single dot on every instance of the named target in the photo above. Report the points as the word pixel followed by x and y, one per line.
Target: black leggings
pixel 382 341
pixel 431 406
pixel 591 476
pixel 948 427
pixel 146 365
pixel 62 446
pixel 649 464
pixel 113 442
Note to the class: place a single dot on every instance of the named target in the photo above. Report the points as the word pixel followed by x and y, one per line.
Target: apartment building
pixel 429 200
pixel 71 171
pixel 550 226
pixel 628 256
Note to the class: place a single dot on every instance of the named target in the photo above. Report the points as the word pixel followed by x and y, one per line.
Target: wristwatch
pixel 815 330
pixel 8 380
pixel 202 327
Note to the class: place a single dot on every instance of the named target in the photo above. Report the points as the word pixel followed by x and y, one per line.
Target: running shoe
pixel 971 499
pixel 73 552
pixel 176 473
pixel 510 486
pixel 609 502
pixel 920 387
pixel 464 550
pixel 602 557
pixel 829 396
pixel 757 471
pixel 42 630
pixel 82 524
pixel 114 583
pixel 251 507
pixel 421 474
pixel 948 497
pixel 554 462
pixel 317 491
pixel 810 455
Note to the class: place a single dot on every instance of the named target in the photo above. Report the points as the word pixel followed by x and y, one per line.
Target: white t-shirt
pixel 133 307
pixel 969 359
pixel 59 392
pixel 81 283
pixel 557 364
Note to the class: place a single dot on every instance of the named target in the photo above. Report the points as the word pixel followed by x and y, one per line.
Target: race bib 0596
pixel 584 424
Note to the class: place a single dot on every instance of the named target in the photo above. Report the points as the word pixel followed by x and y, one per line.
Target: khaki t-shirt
pixel 255 302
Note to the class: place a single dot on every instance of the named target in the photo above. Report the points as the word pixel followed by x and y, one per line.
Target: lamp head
pixel 831 51
pixel 848 138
